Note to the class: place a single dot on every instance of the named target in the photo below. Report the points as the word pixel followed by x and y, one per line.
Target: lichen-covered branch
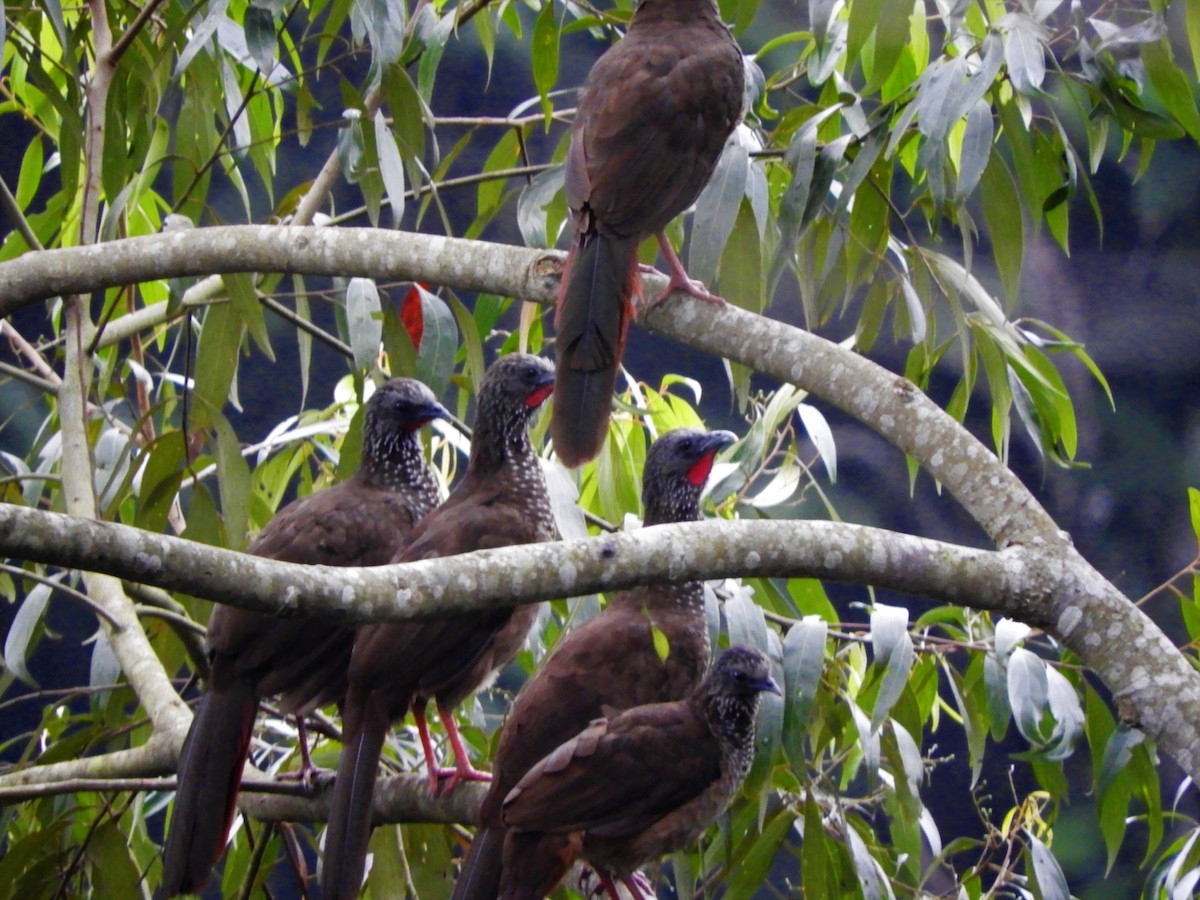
pixel 986 579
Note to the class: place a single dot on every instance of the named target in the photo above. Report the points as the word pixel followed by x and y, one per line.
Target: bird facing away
pixel 655 112
pixel 608 663
pixel 502 500
pixel 633 787
pixel 358 522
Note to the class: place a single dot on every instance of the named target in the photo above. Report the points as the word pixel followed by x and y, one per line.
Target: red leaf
pixel 411 315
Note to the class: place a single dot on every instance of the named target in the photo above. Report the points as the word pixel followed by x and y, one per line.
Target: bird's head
pixel 742 671
pixel 677 467
pixel 404 405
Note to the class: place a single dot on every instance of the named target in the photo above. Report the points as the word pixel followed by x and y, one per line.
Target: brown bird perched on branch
pixel 646 782
pixel 608 663
pixel 655 113
pixel 359 522
pixel 502 500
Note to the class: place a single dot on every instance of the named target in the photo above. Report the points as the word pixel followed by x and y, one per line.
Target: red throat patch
pixel 538 397
pixel 701 468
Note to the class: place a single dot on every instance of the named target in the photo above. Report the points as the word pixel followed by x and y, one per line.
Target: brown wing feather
pixel 651 125
pixel 617 776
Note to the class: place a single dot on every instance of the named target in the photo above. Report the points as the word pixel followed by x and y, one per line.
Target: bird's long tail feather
pixel 480 875
pixel 594 309
pixel 210 772
pixel 365 723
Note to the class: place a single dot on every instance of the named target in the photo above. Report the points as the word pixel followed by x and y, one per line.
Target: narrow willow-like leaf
pixel 364 321
pixel 259 26
pixel 531 207
pixel 26 630
pixel 1028 693
pixel 216 360
pixel 1051 882
pixel 717 211
pixel 233 476
pixel 391 167
pixel 439 343
pixel 803 663
pixel 545 57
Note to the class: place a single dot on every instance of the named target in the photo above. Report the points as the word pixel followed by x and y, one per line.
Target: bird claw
pixel 306 775
pixel 678 280
pixel 462 772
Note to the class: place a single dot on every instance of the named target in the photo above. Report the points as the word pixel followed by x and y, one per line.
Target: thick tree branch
pixel 374 252
pixel 1047 585
pixel 985 579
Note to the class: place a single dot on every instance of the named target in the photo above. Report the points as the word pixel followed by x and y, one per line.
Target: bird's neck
pixel 654 11
pixel 394 461
pixel 731 718
pixel 672 506
pixel 496 445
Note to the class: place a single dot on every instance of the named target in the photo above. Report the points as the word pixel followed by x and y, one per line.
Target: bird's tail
pixel 534 863
pixel 594 308
pixel 479 878
pixel 365 723
pixel 210 772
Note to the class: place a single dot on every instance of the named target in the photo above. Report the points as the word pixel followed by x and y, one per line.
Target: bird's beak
pixel 767 685
pixel 428 413
pixel 718 440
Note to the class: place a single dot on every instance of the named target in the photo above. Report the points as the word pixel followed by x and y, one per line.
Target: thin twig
pixel 66 590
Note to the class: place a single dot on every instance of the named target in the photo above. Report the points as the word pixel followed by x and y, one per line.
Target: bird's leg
pixel 436 772
pixel 678 277
pixel 463 770
pixel 607 883
pixel 307 772
pixel 307 769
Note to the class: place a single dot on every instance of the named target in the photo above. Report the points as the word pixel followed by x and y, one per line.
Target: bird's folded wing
pixel 618 777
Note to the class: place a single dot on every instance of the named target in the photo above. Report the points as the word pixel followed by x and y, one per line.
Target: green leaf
pixel 389 868
pixel 435 45
pixel 741 278
pixel 216 361
pixel 439 343
pixel 531 207
pixel 114 872
pixel 891 37
pixel 1046 872
pixel 662 646
pixel 803 663
pixel 864 14
pixel 32 164
pixel 976 150
pixel 746 623
pixel 1172 85
pixel 1194 510
pixel 1006 224
pixel 233 475
pixel 26 630
pixel 364 322
pixel 1028 693
pixel 490 192
pixel 259 28
pixel 545 57
pixel 1192 23
pixel 814 850
pixel 893 649
pixel 391 167
pixel 408 117
pixel 242 294
pixel 717 211
pixel 753 867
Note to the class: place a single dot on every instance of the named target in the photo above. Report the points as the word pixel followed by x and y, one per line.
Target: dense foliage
pixel 891 153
